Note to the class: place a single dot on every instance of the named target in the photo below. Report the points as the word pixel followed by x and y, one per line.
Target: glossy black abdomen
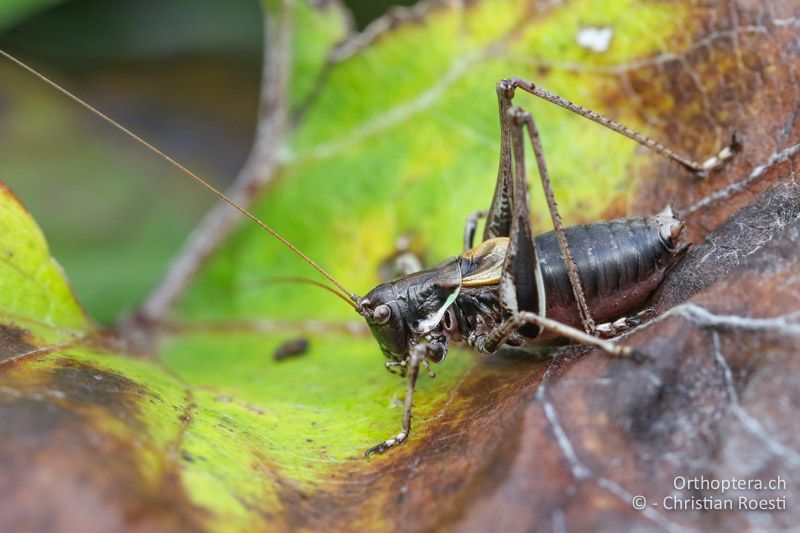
pixel 619 262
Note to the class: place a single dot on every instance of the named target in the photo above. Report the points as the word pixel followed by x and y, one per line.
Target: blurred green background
pixel 182 73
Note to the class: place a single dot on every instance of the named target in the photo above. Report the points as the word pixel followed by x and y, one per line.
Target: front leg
pixel 419 355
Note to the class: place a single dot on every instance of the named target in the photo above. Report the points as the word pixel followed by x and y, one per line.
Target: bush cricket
pixel 512 288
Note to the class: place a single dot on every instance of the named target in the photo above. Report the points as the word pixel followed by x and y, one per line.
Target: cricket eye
pixel 382 314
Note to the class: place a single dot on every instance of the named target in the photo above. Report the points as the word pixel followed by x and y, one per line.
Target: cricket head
pixel 410 310
pixel 384 317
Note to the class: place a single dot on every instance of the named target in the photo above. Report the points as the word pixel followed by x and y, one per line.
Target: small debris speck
pixel 291 348
pixel 594 38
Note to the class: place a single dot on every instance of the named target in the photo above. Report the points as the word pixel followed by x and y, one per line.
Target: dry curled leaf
pixel 210 433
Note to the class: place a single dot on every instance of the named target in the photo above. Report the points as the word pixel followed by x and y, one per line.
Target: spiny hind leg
pixel 492 341
pixel 500 213
pixel 701 168
pixel 626 323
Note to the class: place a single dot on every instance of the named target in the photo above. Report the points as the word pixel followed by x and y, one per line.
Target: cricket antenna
pixel 353 298
pixel 279 280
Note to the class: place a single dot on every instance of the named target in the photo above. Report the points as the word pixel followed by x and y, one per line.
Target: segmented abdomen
pixel 619 262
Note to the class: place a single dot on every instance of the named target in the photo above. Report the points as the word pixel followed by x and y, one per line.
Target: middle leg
pixel 558 225
pixel 509 215
pixel 470 226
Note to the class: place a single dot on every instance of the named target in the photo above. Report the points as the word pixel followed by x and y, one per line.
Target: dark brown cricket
pixel 512 287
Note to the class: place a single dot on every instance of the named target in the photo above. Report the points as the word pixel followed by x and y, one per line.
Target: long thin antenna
pixel 278 280
pixel 186 171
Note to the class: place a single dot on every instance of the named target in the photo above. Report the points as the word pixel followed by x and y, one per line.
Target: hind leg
pixel 700 168
pixel 626 323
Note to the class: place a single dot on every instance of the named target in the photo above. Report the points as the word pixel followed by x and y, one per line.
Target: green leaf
pixel 33 290
pixel 392 147
pixel 135 429
pixel 133 423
